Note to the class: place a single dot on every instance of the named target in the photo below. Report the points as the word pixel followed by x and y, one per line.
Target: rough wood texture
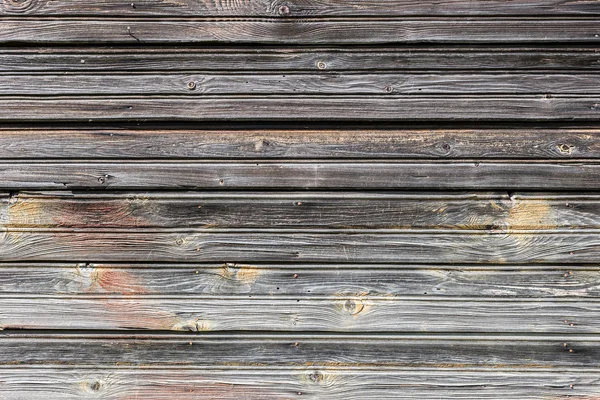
pixel 304 174
pixel 298 84
pixel 391 143
pixel 34 383
pixel 148 59
pixel 478 247
pixel 289 199
pixel 327 210
pixel 309 31
pixel 340 313
pixel 301 280
pixel 304 108
pixel 308 352
pixel 298 8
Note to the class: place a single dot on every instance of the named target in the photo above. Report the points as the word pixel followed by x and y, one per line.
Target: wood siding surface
pixel 304 199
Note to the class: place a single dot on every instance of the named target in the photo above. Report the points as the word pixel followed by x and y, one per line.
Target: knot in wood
pixel 321 65
pixel 95 386
pixel 565 148
pixel 18 6
pixel 284 10
pixel 315 377
pixel 353 307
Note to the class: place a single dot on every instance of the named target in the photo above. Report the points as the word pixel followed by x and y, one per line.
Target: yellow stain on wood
pixel 530 214
pixel 246 274
pixel 24 212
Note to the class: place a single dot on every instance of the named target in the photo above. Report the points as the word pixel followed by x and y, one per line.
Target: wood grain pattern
pixel 336 314
pixel 298 8
pixel 391 143
pixel 241 351
pixel 289 199
pixel 479 247
pixel 471 175
pixel 148 59
pixel 300 280
pixel 298 84
pixel 297 31
pixel 328 210
pixel 303 108
pixel 68 383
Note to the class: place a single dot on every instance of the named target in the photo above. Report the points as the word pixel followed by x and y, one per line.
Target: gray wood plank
pixel 297 31
pixel 298 84
pixel 499 247
pixel 69 383
pixel 303 108
pixel 328 210
pixel 299 8
pixel 300 280
pixel 249 351
pixel 87 59
pixel 397 143
pixel 466 175
pixel 338 313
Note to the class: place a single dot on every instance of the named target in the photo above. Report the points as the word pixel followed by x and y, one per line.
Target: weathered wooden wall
pixel 299 199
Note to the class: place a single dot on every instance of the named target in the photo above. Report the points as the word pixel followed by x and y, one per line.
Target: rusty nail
pixel 196 271
pixel 192 85
pixel 570 350
pixel 571 324
pixel 564 345
pixel 190 343
pixel 295 276
pixel 296 344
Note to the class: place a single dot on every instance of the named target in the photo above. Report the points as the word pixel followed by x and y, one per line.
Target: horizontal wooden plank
pixel 488 175
pixel 303 108
pixel 336 314
pixel 243 247
pixel 286 384
pixel 300 280
pixel 390 143
pixel 299 8
pixel 297 31
pixel 337 210
pixel 305 351
pixel 298 84
pixel 88 59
